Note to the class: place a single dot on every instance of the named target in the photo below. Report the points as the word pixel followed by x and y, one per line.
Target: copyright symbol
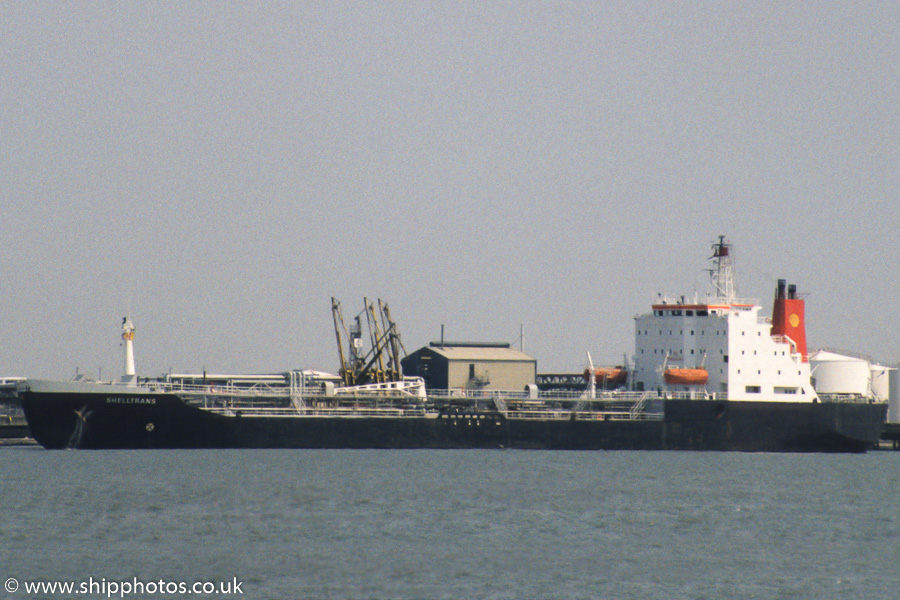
pixel 11 585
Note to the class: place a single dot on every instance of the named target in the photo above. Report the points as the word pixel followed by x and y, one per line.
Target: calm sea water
pixel 457 524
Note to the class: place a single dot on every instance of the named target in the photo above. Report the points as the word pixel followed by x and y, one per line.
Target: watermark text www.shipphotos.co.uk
pixel 107 588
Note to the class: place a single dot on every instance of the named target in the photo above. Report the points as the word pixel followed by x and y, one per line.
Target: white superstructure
pixel 722 345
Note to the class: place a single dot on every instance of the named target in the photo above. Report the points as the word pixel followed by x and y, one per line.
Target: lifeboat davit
pixel 607 376
pixel 686 376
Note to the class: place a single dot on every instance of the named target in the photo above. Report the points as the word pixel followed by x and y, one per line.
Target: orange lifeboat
pixel 606 376
pixel 686 376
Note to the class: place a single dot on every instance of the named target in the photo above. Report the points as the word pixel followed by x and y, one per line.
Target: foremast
pixel 128 338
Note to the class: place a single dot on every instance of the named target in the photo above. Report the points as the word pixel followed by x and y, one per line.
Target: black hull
pixel 14 432
pixel 96 421
pixel 773 426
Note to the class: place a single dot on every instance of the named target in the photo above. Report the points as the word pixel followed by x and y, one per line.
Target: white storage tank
pixel 835 373
pixel 880 382
pixel 894 399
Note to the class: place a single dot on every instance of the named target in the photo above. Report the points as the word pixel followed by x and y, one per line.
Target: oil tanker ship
pixel 707 374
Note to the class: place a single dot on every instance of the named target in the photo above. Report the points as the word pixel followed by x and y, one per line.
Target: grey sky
pixel 220 170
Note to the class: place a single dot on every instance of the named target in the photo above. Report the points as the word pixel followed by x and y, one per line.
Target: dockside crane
pixel 381 363
pixel 395 343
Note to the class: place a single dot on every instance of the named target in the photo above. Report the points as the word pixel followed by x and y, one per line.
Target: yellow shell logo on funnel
pixel 794 320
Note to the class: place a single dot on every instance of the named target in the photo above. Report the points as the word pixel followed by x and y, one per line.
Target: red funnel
pixel 787 317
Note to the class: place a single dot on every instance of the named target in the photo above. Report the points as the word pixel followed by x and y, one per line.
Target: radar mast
pixel 722 275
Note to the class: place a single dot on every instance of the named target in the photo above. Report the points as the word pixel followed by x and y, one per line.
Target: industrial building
pixel 471 366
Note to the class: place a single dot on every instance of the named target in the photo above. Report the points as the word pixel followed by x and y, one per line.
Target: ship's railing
pixel 612 413
pixel 337 411
pixel 307 404
pixel 526 395
pixel 599 396
pixel 601 415
pixel 412 391
pixel 785 339
pixel 846 399
pixel 292 388
pixel 676 302
pixel 218 389
pixel 690 395
pixel 413 387
pixel 629 406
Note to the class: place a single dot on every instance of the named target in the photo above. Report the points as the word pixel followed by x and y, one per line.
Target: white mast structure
pixel 723 273
pixel 128 337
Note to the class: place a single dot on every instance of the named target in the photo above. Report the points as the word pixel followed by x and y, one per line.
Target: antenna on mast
pixel 722 275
